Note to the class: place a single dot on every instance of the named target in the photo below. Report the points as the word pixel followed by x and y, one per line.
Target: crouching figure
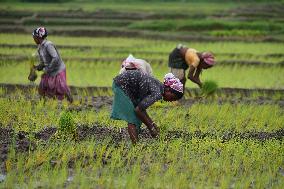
pixel 134 91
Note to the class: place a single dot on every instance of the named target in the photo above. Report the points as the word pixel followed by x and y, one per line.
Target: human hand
pixel 154 130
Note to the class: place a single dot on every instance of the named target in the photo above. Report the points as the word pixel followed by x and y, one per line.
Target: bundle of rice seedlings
pixel 209 87
pixel 33 75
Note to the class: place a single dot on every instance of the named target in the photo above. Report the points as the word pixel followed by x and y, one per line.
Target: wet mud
pixel 24 142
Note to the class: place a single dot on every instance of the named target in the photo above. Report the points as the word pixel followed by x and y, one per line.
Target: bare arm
pixel 145 118
pixel 193 75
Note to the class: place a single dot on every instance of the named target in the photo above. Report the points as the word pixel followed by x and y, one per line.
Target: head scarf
pixel 179 46
pixel 208 58
pixel 174 83
pixel 129 62
pixel 40 32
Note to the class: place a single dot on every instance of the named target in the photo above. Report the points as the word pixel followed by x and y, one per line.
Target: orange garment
pixel 191 57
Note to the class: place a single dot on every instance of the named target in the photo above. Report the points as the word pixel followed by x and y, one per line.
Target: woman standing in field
pixel 132 63
pixel 134 91
pixel 182 58
pixel 53 80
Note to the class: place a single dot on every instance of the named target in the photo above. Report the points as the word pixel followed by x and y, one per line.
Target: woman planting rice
pixel 134 92
pixel 53 80
pixel 132 63
pixel 182 58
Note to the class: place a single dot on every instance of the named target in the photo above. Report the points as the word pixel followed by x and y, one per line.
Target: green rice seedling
pixel 209 87
pixel 2 91
pixel 66 126
pixel 78 75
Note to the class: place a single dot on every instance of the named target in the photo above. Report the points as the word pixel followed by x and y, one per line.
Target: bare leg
pixel 183 81
pixel 69 98
pixel 132 133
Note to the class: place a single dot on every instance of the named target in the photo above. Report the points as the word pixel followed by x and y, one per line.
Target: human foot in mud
pixel 69 98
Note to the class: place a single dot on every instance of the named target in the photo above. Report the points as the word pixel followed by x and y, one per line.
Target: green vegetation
pixel 221 141
pixel 98 57
pixel 66 125
pixel 196 161
pixel 131 6
pixel 241 20
pixel 196 25
pixel 90 73
pixel 209 87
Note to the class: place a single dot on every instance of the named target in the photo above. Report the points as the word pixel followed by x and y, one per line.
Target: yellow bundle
pixel 192 58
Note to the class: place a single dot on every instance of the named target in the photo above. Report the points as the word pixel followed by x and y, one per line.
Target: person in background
pixel 53 82
pixel 132 63
pixel 135 91
pixel 182 58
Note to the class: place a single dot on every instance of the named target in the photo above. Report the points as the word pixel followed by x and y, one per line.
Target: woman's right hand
pixel 154 130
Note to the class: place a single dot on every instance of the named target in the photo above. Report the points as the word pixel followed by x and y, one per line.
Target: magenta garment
pixel 208 58
pixel 54 86
pixel 173 82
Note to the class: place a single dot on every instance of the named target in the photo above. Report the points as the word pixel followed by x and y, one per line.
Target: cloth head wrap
pixel 129 62
pixel 208 58
pixel 174 83
pixel 179 46
pixel 40 32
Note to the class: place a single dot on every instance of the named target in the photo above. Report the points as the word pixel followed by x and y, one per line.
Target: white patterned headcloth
pixel 40 32
pixel 129 62
pixel 174 83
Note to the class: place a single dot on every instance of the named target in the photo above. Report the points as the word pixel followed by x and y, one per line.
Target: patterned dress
pixel 131 89
pixel 142 89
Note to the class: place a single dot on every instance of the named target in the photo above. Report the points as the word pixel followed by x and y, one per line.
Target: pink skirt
pixel 54 86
